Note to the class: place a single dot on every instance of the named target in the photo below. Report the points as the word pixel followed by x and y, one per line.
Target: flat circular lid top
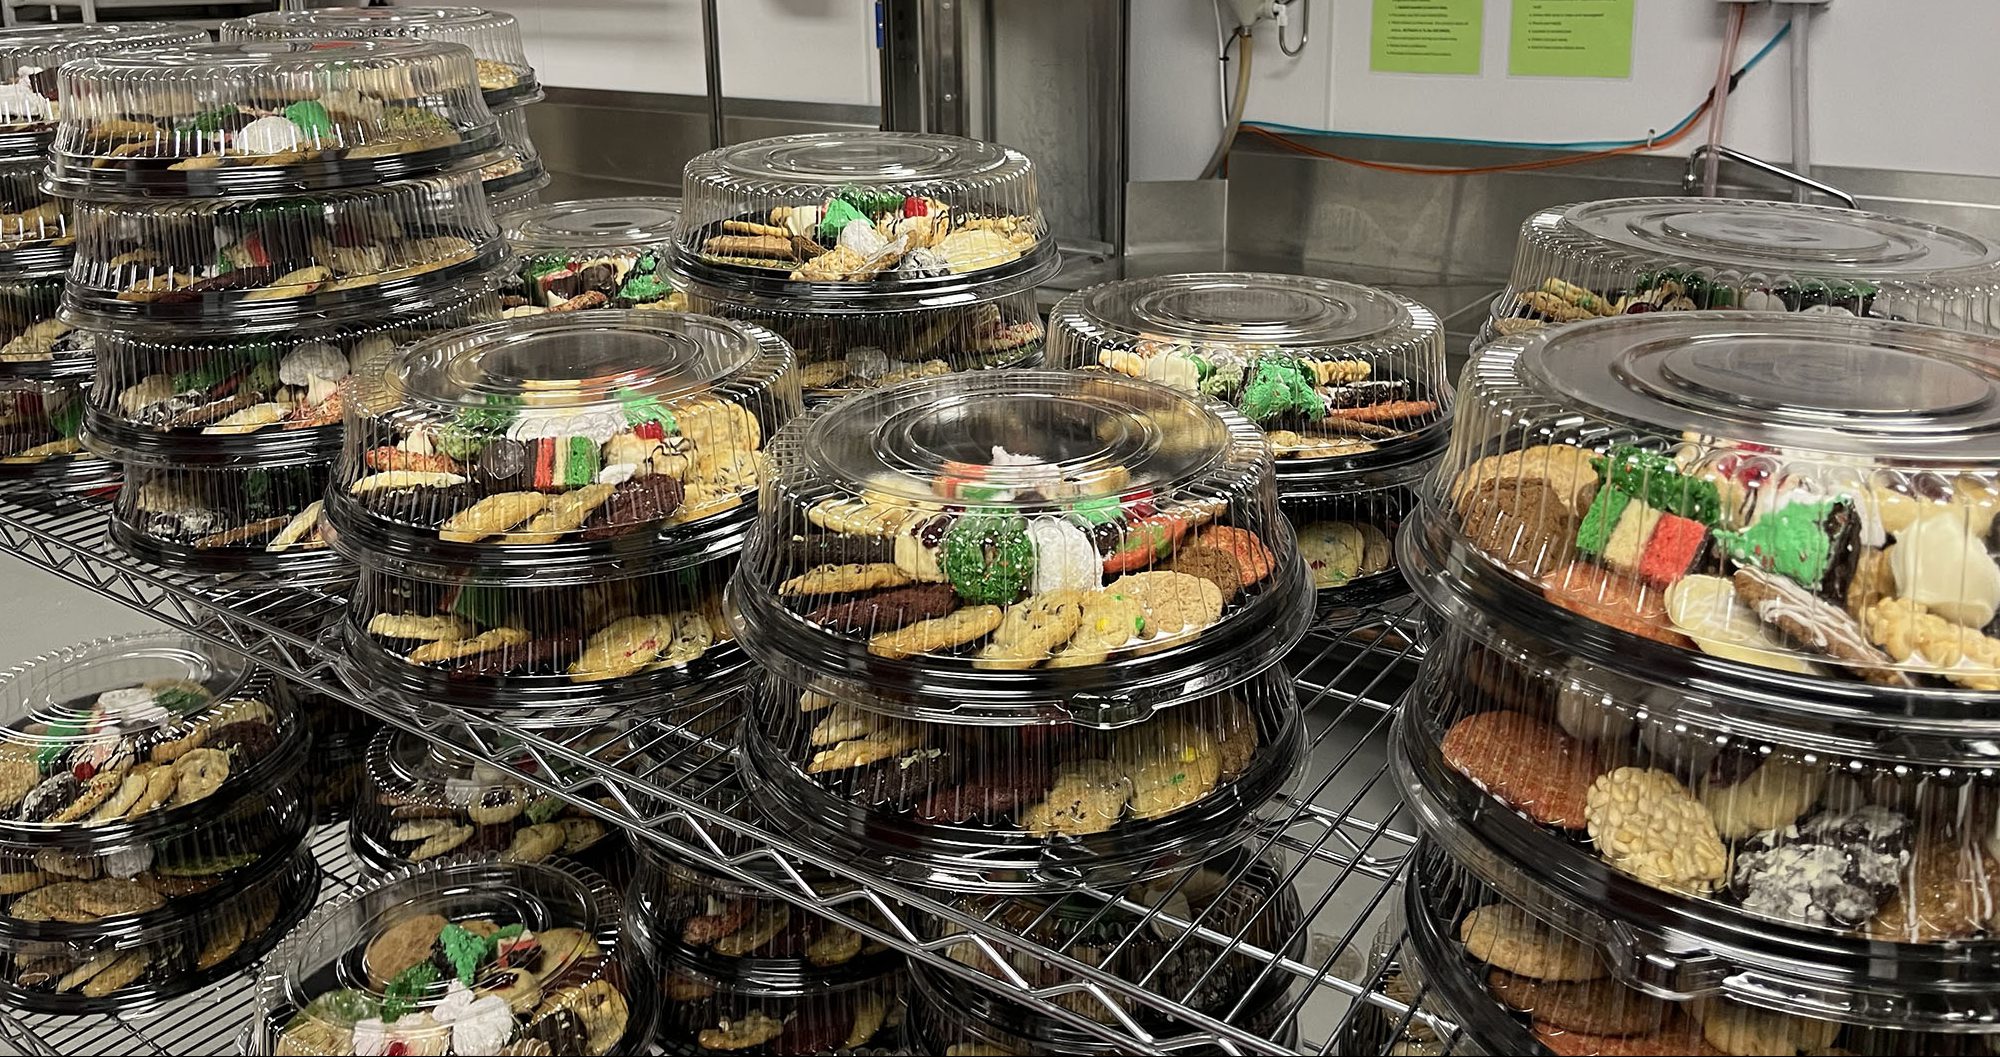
pixel 601 224
pixel 266 56
pixel 1027 440
pixel 49 46
pixel 888 159
pixel 412 770
pixel 492 35
pixel 1783 236
pixel 1290 312
pixel 1825 384
pixel 636 365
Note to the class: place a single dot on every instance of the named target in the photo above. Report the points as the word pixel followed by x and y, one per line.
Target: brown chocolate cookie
pixel 639 501
pixel 1522 521
pixel 887 610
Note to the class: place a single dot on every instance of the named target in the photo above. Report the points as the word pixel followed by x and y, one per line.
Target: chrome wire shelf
pixel 1342 843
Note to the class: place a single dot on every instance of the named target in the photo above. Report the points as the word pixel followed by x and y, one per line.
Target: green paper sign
pixel 1571 38
pixel 1426 36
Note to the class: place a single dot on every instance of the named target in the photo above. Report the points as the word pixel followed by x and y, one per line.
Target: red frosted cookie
pixel 1530 765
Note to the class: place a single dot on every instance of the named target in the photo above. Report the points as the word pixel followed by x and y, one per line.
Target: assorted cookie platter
pixel 1020 547
pixel 595 253
pixel 505 77
pixel 154 806
pixel 1632 256
pixel 881 256
pixel 464 955
pixel 1516 982
pixel 266 117
pixel 986 807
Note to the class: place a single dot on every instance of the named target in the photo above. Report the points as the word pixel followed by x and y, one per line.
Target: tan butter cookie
pixel 1031 629
pixel 1177 605
pixel 564 513
pixel 1088 796
pixel 455 649
pixel 420 626
pixel 1110 620
pixel 1738 1029
pixel 1595 1007
pixel 1775 795
pixel 939 633
pixel 1171 764
pixel 491 516
pixel 1645 823
pixel 1507 937
pixel 401 945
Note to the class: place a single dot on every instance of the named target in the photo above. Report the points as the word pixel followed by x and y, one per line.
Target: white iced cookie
pixel 268 135
pixel 314 366
pixel 1939 564
pixel 1706 609
pixel 1065 559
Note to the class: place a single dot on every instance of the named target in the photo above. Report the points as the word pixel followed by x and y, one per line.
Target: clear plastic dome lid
pixel 1708 843
pixel 266 117
pixel 464 956
pixel 1017 546
pixel 517 167
pixel 38 344
pixel 563 439
pixel 264 395
pixel 861 212
pixel 1339 375
pixel 1636 255
pixel 543 644
pixel 423 801
pixel 136 967
pixel 124 735
pixel 35 235
pixel 1806 494
pixel 707 1015
pixel 595 252
pixel 494 37
pixel 225 519
pixel 226 266
pixel 30 55
pixel 1021 809
pixel 41 430
pixel 1513 973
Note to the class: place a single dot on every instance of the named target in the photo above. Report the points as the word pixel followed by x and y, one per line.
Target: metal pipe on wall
pixel 711 49
pixel 1801 96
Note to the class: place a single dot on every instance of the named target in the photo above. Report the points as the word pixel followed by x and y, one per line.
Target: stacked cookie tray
pixel 1514 983
pixel 464 955
pixel 251 218
pixel 421 801
pixel 743 971
pixel 1347 381
pixel 513 177
pixel 340 738
pixel 881 256
pixel 545 510
pixel 150 843
pixel 1020 629
pixel 1636 255
pixel 1715 659
pixel 593 254
pixel 44 368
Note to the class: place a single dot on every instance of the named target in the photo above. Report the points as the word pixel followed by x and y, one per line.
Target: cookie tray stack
pixel 250 218
pixel 44 367
pixel 1715 659
pixel 745 972
pixel 1020 629
pixel 1631 256
pixel 592 254
pixel 545 510
pixel 151 837
pixel 462 956
pixel 1515 984
pixel 512 178
pixel 1347 381
pixel 881 256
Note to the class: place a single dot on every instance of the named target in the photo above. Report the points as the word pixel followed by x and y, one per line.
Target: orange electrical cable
pixel 1524 166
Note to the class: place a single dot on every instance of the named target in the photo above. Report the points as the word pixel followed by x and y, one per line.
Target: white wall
pixel 820 51
pixel 1896 83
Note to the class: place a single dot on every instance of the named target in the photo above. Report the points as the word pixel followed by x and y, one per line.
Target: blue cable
pixel 1297 130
